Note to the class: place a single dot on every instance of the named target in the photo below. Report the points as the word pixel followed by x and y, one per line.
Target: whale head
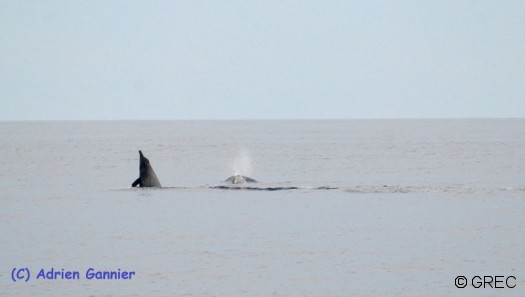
pixel 144 162
pixel 239 179
pixel 147 177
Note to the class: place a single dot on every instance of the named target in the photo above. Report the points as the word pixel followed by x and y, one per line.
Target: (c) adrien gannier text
pixel 90 274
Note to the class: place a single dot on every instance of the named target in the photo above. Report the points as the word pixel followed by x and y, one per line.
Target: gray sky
pixel 261 59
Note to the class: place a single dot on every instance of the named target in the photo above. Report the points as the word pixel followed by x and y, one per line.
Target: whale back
pixel 239 179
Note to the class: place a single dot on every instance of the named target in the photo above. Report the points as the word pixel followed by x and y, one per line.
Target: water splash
pixel 243 163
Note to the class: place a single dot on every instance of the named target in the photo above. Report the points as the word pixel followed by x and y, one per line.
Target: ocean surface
pixel 341 208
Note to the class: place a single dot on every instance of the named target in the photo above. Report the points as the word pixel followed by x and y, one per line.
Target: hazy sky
pixel 261 59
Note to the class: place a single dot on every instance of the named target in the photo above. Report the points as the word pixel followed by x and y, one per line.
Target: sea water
pixel 341 208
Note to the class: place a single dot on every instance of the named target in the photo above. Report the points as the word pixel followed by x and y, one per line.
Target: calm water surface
pixel 404 207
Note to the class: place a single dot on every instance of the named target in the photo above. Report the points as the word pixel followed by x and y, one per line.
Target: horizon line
pixel 264 119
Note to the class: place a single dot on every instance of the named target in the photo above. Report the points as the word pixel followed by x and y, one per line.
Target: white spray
pixel 243 163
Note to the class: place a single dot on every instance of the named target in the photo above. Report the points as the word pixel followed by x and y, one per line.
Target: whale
pixel 239 179
pixel 147 177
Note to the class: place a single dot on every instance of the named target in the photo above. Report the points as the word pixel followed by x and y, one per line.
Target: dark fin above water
pixel 137 182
